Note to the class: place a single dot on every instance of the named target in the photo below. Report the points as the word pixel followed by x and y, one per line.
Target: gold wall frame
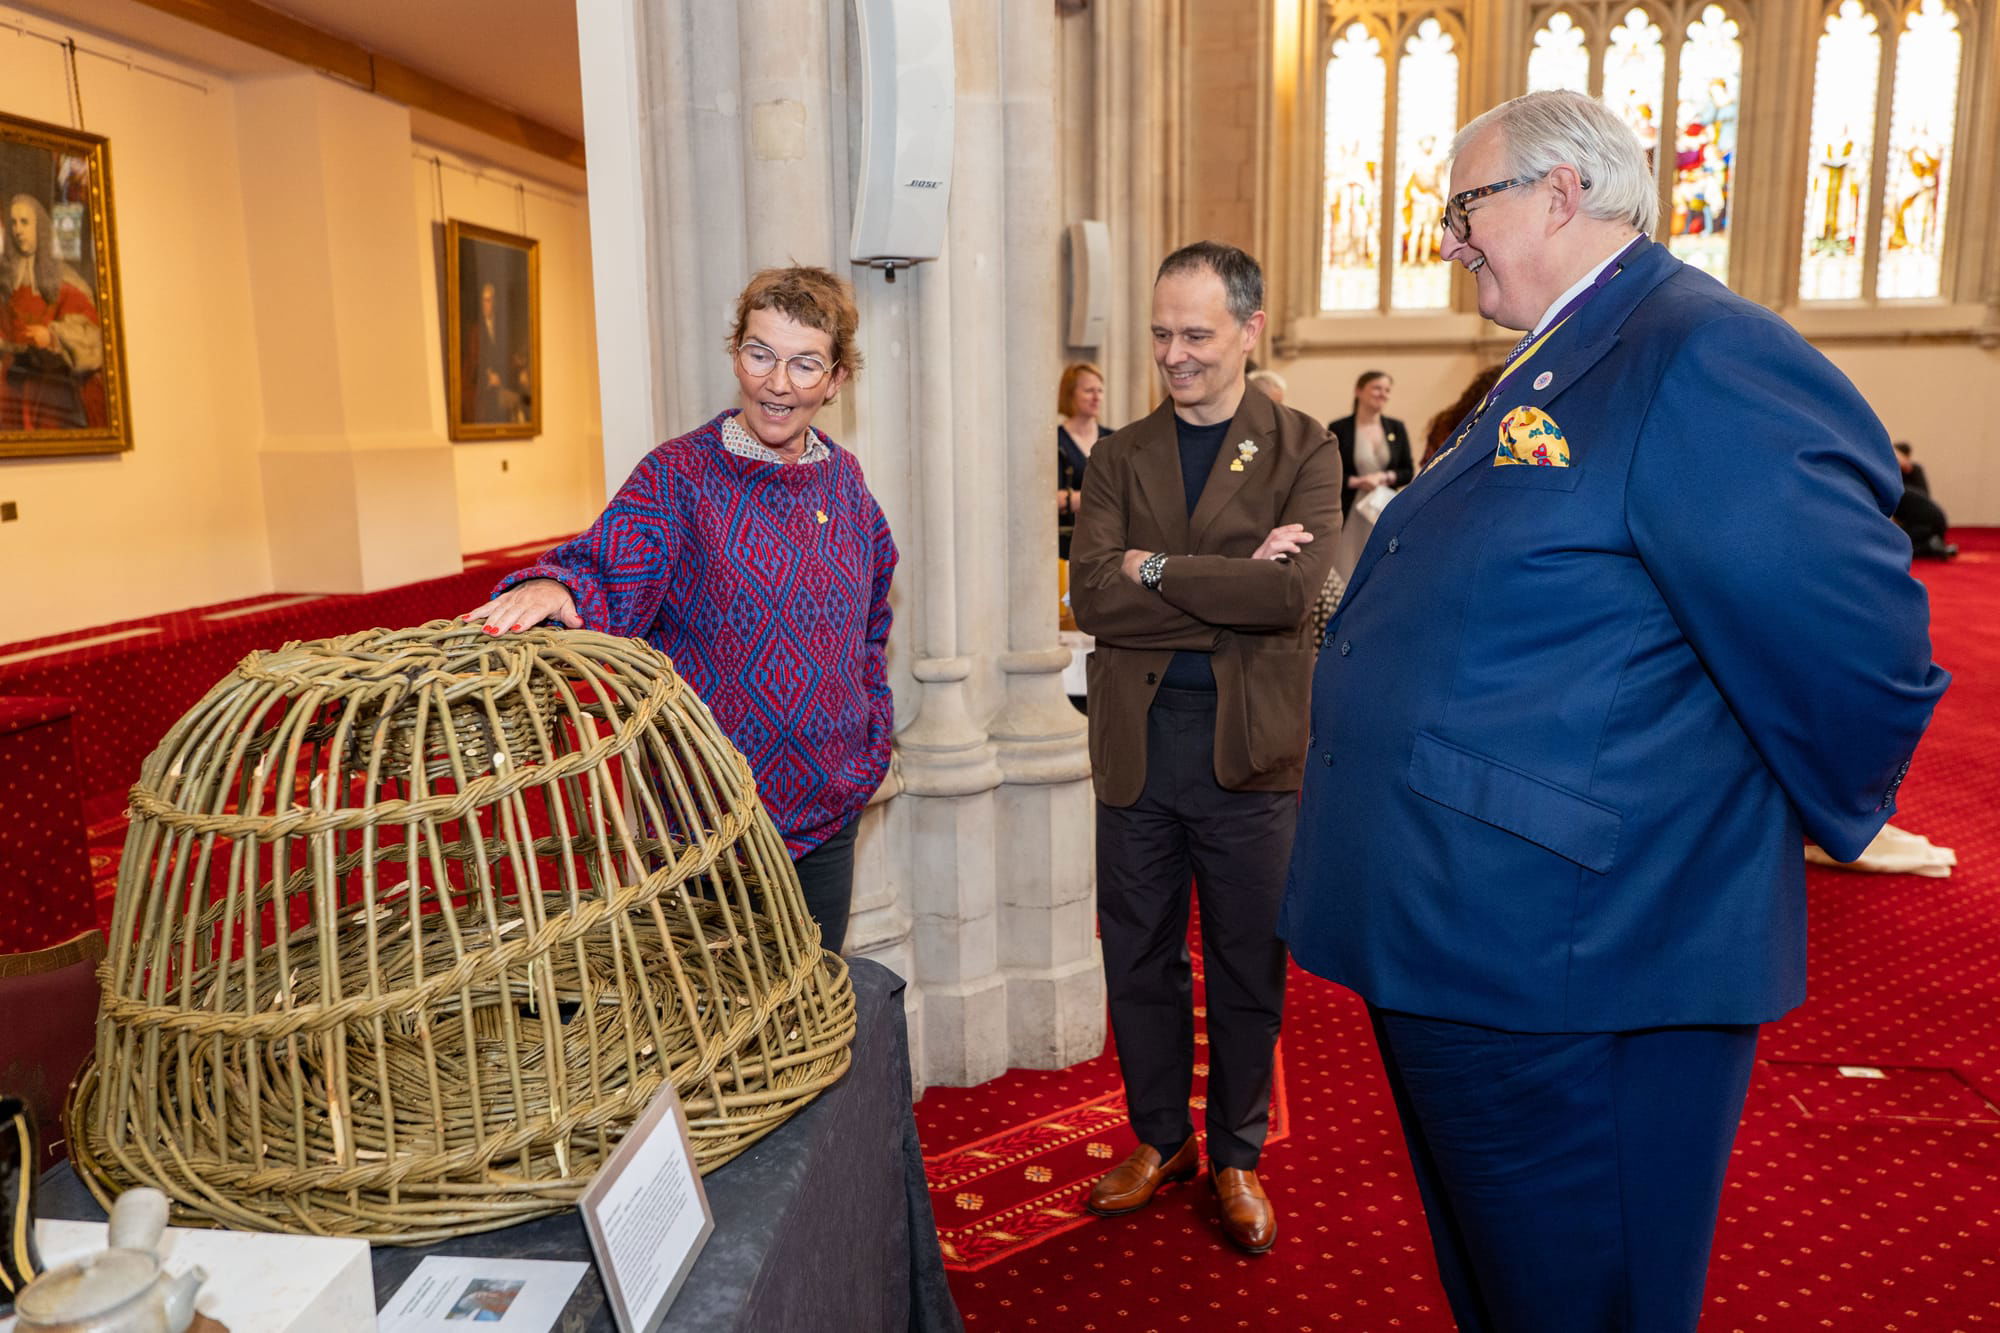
pixel 493 333
pixel 62 343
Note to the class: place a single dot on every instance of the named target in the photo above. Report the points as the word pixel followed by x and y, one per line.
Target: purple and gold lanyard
pixel 1530 345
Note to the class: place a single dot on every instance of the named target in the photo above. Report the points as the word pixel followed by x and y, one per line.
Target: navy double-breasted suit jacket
pixel 1570 725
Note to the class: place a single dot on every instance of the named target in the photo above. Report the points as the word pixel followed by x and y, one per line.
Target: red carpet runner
pixel 1858 1203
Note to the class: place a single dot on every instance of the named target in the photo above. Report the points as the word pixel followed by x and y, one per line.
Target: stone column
pixel 948 765
pixel 729 137
pixel 1132 47
pixel 1055 974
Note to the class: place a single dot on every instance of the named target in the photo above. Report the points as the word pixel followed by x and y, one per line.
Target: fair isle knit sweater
pixel 768 586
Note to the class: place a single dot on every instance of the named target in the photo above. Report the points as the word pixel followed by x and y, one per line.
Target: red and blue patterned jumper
pixel 768 585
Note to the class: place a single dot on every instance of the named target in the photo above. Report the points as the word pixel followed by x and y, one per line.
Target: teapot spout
pixel 179 1302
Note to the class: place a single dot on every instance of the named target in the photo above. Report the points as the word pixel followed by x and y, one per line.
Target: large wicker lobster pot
pixel 412 925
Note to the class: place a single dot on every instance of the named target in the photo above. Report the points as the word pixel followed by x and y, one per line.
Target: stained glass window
pixel 1559 59
pixel 1843 139
pixel 1635 76
pixel 1710 95
pixel 1356 101
pixel 1923 108
pixel 1426 119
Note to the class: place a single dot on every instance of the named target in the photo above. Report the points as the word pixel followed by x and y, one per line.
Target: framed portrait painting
pixel 493 333
pixel 62 352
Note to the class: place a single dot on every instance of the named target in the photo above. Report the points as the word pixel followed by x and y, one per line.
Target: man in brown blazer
pixel 1202 538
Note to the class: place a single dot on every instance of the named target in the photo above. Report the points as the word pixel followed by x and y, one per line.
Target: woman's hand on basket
pixel 526 605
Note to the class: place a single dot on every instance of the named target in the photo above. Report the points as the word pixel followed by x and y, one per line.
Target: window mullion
pixel 1878 167
pixel 1392 83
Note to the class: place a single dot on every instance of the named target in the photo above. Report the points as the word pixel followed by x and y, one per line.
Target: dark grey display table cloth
pixel 826 1223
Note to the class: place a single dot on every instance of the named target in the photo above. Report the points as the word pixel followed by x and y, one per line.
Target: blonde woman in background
pixel 1079 404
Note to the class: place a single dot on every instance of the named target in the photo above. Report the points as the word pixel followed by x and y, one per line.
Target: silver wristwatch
pixel 1150 570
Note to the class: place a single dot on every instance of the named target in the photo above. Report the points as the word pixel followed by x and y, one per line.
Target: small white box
pixel 257 1282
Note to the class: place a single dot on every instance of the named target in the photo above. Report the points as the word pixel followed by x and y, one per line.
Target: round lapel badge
pixel 1543 380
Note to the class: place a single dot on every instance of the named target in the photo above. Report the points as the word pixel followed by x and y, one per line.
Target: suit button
pixel 1152 678
pixel 1394 542
pixel 1346 647
pixel 1327 756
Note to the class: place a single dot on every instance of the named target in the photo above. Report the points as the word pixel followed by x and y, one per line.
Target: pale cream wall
pixel 1945 400
pixel 179 520
pixel 218 474
pixel 357 480
pixel 1322 385
pixel 515 491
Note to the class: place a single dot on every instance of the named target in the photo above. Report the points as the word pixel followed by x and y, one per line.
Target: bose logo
pixel 922 184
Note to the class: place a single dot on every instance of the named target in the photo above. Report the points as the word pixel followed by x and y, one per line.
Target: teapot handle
pixel 138 1220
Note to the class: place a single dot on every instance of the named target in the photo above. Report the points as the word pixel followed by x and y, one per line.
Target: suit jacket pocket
pixel 1277 705
pixel 1565 822
pixel 1528 477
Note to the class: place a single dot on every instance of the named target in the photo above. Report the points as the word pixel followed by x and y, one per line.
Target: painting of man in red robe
pixel 51 338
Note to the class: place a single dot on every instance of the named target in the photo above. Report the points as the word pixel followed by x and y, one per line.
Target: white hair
pixel 1271 378
pixel 1546 130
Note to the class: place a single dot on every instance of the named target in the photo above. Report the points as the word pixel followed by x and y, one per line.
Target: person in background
pixel 1201 542
pixel 497 385
pixel 1441 425
pixel 1272 383
pixel 1593 683
pixel 780 562
pixel 1374 449
pixel 1079 405
pixel 1917 513
pixel 1375 459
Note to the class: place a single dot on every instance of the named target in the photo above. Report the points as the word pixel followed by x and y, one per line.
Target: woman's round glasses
pixel 803 371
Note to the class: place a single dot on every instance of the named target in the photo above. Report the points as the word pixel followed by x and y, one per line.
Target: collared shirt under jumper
pixel 738 440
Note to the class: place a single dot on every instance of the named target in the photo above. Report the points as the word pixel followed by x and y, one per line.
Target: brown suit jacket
pixel 1250 614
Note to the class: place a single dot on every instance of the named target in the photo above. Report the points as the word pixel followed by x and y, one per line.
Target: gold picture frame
pixel 493 333
pixel 62 341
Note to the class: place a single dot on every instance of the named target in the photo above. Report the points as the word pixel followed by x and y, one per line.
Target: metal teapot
pixel 122 1290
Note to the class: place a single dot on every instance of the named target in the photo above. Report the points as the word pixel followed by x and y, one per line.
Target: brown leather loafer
pixel 1247 1217
pixel 1131 1185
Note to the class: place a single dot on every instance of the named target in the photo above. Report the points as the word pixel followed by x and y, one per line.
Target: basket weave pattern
pixel 412 925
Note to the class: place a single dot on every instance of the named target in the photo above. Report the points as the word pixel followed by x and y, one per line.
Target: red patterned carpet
pixel 1863 1199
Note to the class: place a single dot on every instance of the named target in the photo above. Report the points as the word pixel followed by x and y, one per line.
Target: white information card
pixel 647 1216
pixel 445 1294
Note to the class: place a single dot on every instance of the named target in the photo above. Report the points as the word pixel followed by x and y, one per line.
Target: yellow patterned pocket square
pixel 1530 437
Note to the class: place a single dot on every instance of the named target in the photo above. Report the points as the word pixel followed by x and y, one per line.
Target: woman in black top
pixel 1374 449
pixel 1079 400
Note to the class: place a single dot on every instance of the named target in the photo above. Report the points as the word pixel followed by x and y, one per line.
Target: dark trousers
pixel 1570 1180
pixel 826 874
pixel 1233 846
pixel 1919 516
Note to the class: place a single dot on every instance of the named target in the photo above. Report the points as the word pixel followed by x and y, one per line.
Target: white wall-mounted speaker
pixel 908 97
pixel 1089 282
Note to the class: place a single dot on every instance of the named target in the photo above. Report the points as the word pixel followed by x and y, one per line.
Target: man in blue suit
pixel 1641 627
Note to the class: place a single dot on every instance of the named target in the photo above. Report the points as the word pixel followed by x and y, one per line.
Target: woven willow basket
pixel 412 925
